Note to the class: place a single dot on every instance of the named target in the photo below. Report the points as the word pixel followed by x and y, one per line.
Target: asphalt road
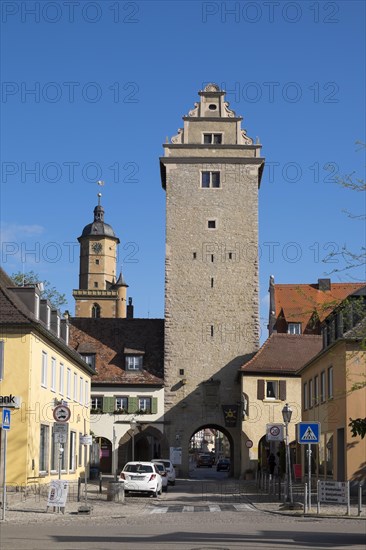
pixel 190 531
pixel 182 519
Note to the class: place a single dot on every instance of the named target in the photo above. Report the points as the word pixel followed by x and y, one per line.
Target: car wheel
pixel 172 482
pixel 154 494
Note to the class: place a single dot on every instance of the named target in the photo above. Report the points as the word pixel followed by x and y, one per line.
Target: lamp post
pixel 286 415
pixel 133 425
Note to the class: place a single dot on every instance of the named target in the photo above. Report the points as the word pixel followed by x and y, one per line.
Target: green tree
pixel 49 292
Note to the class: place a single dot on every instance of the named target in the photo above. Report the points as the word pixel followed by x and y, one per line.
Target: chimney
pixel 129 313
pixel 324 284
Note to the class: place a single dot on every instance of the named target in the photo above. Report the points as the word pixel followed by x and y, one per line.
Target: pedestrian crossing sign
pixel 6 419
pixel 308 432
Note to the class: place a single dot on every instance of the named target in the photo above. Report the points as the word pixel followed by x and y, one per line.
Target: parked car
pixel 169 468
pixel 142 477
pixel 204 460
pixel 164 475
pixel 223 465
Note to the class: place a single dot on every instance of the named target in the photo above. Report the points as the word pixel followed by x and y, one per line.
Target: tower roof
pixel 98 228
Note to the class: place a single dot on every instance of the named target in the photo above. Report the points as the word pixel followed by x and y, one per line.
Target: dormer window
pixel 133 362
pixel 89 358
pixel 294 328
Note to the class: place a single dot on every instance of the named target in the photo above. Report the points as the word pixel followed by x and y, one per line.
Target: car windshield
pixel 160 467
pixel 139 468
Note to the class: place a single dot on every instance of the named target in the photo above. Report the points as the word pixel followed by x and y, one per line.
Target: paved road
pixel 189 531
pixel 186 518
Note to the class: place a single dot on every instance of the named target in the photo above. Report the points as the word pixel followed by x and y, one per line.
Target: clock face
pixel 97 247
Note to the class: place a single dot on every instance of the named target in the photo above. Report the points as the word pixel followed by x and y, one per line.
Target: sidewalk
pixel 31 508
pixel 270 503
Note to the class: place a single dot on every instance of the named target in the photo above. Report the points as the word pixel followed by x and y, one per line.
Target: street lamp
pixel 133 425
pixel 286 415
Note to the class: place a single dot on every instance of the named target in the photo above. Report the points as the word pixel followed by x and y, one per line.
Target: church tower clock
pixel 99 294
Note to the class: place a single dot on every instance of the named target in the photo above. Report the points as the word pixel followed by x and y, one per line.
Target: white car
pixel 169 468
pixel 164 475
pixel 142 477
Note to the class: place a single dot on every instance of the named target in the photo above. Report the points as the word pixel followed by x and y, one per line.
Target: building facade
pixel 42 371
pixel 211 172
pixel 334 392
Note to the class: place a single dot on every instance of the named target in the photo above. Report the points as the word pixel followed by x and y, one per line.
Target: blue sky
pixel 111 80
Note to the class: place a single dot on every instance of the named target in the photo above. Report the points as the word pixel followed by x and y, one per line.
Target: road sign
pixel 86 440
pixel 60 432
pixel 61 413
pixel 333 491
pixel 274 432
pixel 308 433
pixel 6 419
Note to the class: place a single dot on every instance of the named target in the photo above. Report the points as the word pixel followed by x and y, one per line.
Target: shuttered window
pixel 260 390
pixel 108 404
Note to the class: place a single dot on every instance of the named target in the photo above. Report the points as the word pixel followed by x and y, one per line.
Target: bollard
pixel 116 491
pixel 305 498
pixel 359 499
pixel 100 482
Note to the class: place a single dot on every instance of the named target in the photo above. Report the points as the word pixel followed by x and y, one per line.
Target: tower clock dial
pixel 97 248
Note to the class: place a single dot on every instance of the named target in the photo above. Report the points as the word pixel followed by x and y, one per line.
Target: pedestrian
pixel 271 463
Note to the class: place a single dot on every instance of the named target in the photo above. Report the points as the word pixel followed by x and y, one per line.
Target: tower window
pixel 211 224
pixel 97 262
pixel 194 255
pixel 212 331
pixel 212 107
pixel 95 284
pixel 210 180
pixel 212 282
pixel 96 311
pixel 212 258
pixel 230 255
pixel 212 138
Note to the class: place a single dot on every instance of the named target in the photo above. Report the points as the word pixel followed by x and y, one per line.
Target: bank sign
pixel 10 401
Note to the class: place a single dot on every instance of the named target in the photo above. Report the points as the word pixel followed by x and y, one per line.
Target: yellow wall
pixel 23 367
pixel 334 412
pixel 266 412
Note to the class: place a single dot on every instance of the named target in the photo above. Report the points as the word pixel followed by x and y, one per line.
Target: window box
pixel 96 411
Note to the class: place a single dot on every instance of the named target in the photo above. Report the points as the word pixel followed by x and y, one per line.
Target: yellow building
pixel 38 370
pixel 334 391
pixel 269 380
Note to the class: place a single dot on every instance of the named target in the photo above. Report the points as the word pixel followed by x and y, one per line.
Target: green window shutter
pixel 132 405
pixel 154 405
pixel 108 404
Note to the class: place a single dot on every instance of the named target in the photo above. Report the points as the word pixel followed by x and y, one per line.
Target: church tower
pixel 211 173
pixel 99 293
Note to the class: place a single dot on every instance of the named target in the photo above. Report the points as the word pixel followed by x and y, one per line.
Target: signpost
pixel 57 494
pixel 5 425
pixel 274 432
pixel 308 434
pixel 336 492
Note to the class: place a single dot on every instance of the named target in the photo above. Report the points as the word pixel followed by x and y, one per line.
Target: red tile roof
pixel 284 353
pixel 297 303
pixel 111 339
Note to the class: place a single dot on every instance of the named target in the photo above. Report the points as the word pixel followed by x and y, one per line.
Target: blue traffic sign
pixel 6 419
pixel 308 432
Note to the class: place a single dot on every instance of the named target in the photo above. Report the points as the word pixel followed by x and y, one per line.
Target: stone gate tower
pixel 211 172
